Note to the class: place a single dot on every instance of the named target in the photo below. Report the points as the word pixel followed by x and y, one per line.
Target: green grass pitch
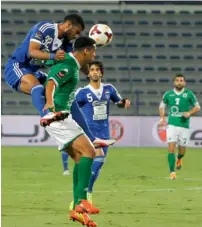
pixel 133 189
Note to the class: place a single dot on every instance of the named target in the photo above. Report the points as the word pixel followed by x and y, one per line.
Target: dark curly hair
pixel 99 64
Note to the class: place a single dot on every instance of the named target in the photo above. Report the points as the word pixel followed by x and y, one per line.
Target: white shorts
pixel 64 132
pixel 177 135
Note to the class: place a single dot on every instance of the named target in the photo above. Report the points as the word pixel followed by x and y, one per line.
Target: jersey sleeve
pixel 59 74
pixel 80 97
pixel 115 96
pixel 164 101
pixel 43 32
pixel 193 99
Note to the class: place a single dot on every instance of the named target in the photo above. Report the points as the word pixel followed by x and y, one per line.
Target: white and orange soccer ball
pixel 102 34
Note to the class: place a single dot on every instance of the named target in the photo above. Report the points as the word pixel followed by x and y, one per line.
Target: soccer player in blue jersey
pixel 45 41
pixel 94 100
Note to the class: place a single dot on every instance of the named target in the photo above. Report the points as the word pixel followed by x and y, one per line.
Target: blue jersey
pixel 46 34
pixel 95 105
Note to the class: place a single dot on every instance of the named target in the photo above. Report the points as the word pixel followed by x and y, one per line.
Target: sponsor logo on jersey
pixel 62 73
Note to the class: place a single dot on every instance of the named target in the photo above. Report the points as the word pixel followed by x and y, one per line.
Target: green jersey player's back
pixel 178 103
pixel 65 74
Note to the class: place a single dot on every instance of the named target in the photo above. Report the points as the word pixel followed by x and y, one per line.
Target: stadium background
pixel 151 44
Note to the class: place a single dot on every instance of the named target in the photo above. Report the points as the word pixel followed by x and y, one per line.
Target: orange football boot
pixel 84 219
pixel 86 207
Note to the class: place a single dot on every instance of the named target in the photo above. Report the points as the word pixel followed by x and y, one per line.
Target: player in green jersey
pixel 182 104
pixel 60 88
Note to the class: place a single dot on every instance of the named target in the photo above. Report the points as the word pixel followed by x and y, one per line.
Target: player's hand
pixel 127 104
pixel 49 106
pixel 60 55
pixel 186 114
pixel 162 122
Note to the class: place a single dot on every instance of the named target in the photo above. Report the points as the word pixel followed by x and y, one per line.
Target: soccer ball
pixel 102 34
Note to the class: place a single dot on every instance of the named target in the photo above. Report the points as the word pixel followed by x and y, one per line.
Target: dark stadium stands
pixel 149 47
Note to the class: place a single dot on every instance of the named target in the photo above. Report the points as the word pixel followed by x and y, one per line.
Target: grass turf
pixel 133 189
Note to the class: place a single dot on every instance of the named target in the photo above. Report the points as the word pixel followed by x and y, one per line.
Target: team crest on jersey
pixel 184 95
pixel 38 35
pixel 107 94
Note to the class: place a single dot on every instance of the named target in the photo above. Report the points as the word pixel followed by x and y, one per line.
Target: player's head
pixel 73 25
pixel 85 49
pixel 179 82
pixel 96 71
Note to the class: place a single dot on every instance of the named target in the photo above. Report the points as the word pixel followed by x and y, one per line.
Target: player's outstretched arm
pixel 50 88
pixel 36 53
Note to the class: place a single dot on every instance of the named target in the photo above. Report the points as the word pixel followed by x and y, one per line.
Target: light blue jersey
pixel 20 63
pixel 44 33
pixel 95 105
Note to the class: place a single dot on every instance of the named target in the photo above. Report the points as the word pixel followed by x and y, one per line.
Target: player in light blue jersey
pixel 94 100
pixel 44 41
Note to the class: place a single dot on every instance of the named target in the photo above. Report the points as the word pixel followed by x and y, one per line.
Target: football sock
pixel 179 156
pixel 75 183
pixel 38 99
pixel 171 161
pixel 65 157
pixel 95 170
pixel 84 173
pixel 78 116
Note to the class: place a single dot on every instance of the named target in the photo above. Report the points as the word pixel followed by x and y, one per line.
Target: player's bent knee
pixel 84 146
pixel 28 82
pixel 90 153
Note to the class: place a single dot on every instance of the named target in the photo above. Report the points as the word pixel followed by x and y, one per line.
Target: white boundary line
pixel 114 191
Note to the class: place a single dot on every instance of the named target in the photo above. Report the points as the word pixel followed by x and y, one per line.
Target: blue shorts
pixel 14 71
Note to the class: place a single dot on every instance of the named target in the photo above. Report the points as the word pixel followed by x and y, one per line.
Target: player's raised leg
pixel 22 79
pixel 30 85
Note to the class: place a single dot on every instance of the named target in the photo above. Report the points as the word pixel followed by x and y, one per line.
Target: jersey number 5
pixel 177 101
pixel 90 98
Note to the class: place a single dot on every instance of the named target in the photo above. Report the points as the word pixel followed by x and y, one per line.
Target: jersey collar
pixel 97 92
pixel 178 92
pixel 56 42
pixel 78 64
